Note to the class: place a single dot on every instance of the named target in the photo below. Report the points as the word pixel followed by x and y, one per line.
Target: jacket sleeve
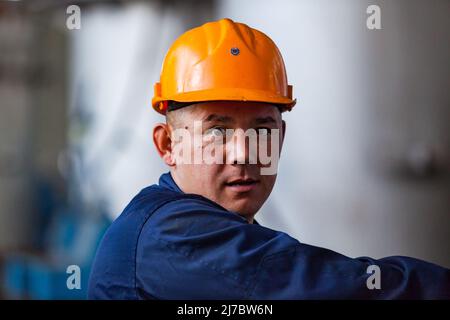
pixel 308 272
pixel 191 249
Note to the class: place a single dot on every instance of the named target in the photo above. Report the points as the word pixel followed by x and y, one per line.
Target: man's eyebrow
pixel 218 118
pixel 265 120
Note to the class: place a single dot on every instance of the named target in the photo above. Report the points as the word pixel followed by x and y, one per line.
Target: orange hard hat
pixel 223 60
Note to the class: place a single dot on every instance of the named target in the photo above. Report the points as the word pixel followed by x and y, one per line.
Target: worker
pixel 193 235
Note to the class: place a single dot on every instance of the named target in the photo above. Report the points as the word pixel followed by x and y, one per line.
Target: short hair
pixel 173 116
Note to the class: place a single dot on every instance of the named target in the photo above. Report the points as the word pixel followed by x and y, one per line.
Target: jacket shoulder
pixel 114 268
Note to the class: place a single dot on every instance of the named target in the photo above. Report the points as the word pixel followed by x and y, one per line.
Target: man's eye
pixel 217 132
pixel 263 131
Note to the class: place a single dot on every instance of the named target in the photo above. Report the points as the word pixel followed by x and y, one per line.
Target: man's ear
pixel 163 143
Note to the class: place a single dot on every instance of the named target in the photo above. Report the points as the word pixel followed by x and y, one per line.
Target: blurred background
pixel 365 168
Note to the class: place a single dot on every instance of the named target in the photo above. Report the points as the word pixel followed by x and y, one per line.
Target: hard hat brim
pixel 224 94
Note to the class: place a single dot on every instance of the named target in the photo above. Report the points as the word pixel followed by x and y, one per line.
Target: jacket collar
pixel 166 181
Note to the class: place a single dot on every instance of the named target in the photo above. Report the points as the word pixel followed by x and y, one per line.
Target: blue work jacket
pixel 171 245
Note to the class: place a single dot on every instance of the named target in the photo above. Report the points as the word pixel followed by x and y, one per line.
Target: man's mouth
pixel 242 185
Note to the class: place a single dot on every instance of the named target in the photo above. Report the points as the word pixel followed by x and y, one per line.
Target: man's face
pixel 236 186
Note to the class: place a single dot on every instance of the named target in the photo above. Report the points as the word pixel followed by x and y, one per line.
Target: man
pixel 223 89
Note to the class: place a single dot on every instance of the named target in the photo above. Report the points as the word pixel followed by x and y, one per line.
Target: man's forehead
pixel 235 111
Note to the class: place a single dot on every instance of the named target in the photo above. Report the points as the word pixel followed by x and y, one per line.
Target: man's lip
pixel 242 181
pixel 242 184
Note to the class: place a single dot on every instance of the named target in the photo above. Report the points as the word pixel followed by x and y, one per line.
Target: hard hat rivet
pixel 235 51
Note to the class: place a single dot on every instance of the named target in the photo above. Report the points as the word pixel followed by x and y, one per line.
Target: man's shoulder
pixel 113 272
pixel 190 220
pixel 156 198
pixel 157 207
pixel 161 228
